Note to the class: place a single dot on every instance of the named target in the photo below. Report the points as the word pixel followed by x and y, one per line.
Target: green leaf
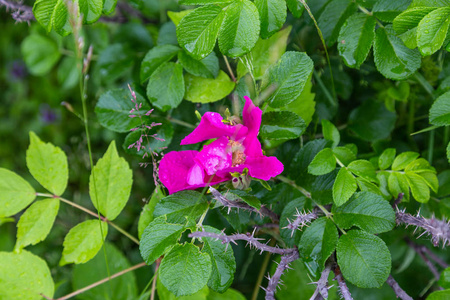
pixel 207 67
pixel 40 54
pixel 35 224
pixel 158 237
pixel 176 16
pixel 240 29
pixel 432 30
pixel 91 10
pixel 197 31
pixel 68 74
pixel 109 6
pixel 110 183
pixel 404 159
pixel 166 86
pixel 323 163
pixel 386 158
pixel 83 242
pixel 272 14
pixel 295 7
pixel 368 186
pixel 444 280
pixel 181 206
pixel 344 186
pixel 304 105
pixel 185 270
pixel 330 132
pixel 122 287
pixel 431 180
pixel 24 276
pixel 440 110
pixel 114 61
pixel 43 11
pixel 366 210
pixel 439 295
pixel 113 110
pixel 230 294
pixel 264 54
pixel 156 57
pixel 364 259
pixel 344 154
pixel 364 169
pixel 165 294
pixel 387 10
pixel 289 76
pixel 278 125
pixel 48 165
pixel 355 39
pixel 147 211
pixel 448 152
pixel 15 193
pixel 60 18
pixel 419 187
pixel 238 195
pixel 318 241
pixel 222 261
pixel 203 2
pixel 392 58
pixel 429 3
pixel 397 184
pixel 333 17
pixel 205 90
pixel 408 20
pixel 289 211
pixel 420 165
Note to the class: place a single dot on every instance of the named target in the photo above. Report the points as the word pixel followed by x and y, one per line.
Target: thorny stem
pixel 90 212
pixel 102 281
pixel 426 260
pixel 261 273
pixel 322 284
pixel 397 289
pixel 345 292
pixel 276 278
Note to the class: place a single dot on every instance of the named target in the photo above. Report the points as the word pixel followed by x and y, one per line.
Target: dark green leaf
pixel 409 19
pixel 165 88
pixel 207 67
pixel 344 154
pixel 40 54
pixel 114 61
pixel 344 186
pixel 330 132
pixel 387 10
pixel 440 110
pixel 15 193
pixel 272 14
pixel 366 210
pixel 181 206
pixel 205 90
pixel 238 195
pixel 281 125
pixel 333 17
pixel 155 58
pixel 323 163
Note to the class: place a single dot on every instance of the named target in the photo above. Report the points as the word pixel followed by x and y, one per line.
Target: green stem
pixel 125 233
pixel 229 68
pixel 179 122
pixel 322 86
pixel 293 184
pixel 431 146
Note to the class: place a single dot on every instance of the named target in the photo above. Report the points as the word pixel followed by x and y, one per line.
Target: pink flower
pixel 236 148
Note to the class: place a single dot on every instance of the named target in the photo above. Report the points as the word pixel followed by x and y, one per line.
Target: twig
pixel 275 280
pixel 345 292
pixel 425 259
pixel 322 284
pixel 20 12
pixel 251 240
pixel 158 262
pixel 263 211
pixel 397 289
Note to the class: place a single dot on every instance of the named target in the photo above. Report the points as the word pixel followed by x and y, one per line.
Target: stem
pixel 229 68
pixel 292 183
pixel 262 271
pixel 77 292
pixel 179 122
pixel 397 289
pixel 122 231
pixel 330 98
pixel 158 262
pixel 430 146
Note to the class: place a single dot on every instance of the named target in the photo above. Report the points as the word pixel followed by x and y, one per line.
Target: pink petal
pixel 211 126
pixel 215 156
pixel 251 116
pixel 196 175
pixel 264 167
pixel 252 147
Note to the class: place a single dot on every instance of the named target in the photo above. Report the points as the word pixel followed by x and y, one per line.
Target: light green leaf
pixel 429 3
pixel 197 31
pixel 386 158
pixel 264 54
pixel 203 2
pixel 439 295
pixel 205 90
pixel 448 152
pixel 166 86
pixel 364 259
pixel 48 165
pixel 222 261
pixel 207 67
pixel 364 169
pixel 165 294
pixel 147 211
pixel 40 54
pixel 289 76
pixel 420 165
pixel 35 224
pixel 387 10
pixel 366 210
pixel 185 270
pixel 83 242
pixel 277 125
pixel 397 184
pixel 113 110
pixel 355 39
pixel 176 16
pixel 42 11
pixel 432 30
pixel 344 154
pixel 409 19
pixel 419 187
pixel 318 241
pixel 444 280
pixel 110 183
pixel 333 17
pixel 367 186
pixel 330 132
pixel 240 28
pixel 24 276
pixel 230 294
pixel 156 57
pixel 272 14
pixel 323 163
pixel 440 110
pixel 180 206
pixel 431 180
pixel 344 186
pixel 109 6
pixel 15 193
pixel 91 10
pixel 158 237
pixel 304 105
pixel 404 159
pixel 392 58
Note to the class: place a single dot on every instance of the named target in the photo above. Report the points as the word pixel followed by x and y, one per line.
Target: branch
pixel 19 12
pixel 276 278
pixel 438 229
pixel 263 211
pixel 301 219
pixel 345 292
pixel 397 289
pixel 322 284
pixel 425 259
pixel 251 240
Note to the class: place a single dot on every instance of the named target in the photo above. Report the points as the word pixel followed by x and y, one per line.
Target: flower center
pixel 237 150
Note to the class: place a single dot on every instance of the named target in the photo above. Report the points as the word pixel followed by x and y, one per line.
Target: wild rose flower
pixel 236 148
